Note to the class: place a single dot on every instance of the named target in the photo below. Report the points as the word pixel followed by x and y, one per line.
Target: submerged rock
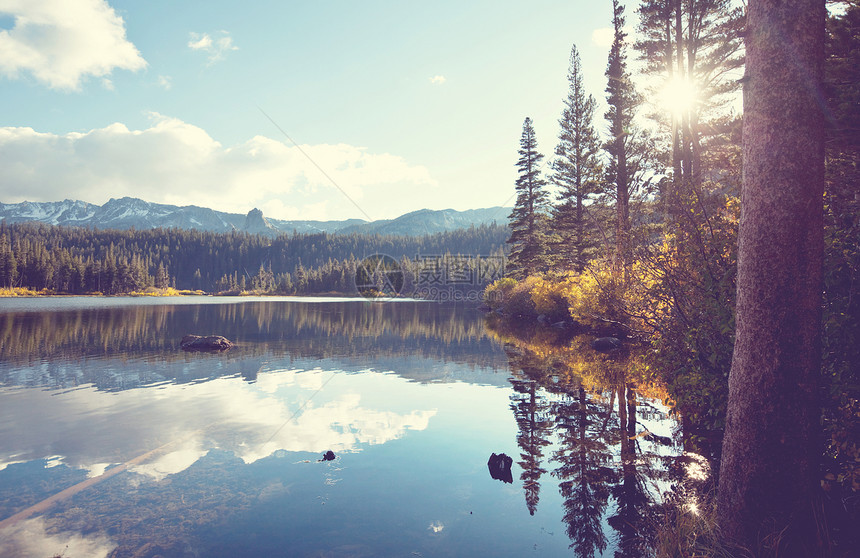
pixel 500 467
pixel 606 344
pixel 213 343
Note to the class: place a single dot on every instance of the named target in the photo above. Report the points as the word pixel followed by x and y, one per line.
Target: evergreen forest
pixel 72 260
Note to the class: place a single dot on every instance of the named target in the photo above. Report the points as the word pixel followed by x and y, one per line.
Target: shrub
pixel 548 299
pixel 519 302
pixel 498 292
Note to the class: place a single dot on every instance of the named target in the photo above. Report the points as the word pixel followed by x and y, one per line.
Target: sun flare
pixel 679 96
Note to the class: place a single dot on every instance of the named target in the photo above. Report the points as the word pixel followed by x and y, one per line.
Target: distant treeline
pixel 81 260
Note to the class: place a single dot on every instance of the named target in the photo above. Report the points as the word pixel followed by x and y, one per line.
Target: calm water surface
pixel 114 442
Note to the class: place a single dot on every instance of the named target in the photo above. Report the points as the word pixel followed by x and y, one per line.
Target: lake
pixel 115 442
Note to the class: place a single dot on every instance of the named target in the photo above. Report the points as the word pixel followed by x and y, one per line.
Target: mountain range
pixel 124 213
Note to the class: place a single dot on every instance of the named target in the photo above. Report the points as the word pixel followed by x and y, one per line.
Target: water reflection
pixel 115 442
pixel 150 451
pixel 54 348
pixel 584 469
pixel 284 410
pixel 581 416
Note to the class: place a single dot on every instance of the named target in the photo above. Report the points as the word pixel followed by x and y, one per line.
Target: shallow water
pixel 164 452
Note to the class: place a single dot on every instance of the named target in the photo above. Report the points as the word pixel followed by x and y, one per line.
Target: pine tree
pixel 162 279
pixel 622 99
pixel 629 148
pixel 693 46
pixel 8 265
pixel 528 238
pixel 576 171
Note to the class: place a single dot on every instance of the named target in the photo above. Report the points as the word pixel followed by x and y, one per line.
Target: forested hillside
pixel 78 260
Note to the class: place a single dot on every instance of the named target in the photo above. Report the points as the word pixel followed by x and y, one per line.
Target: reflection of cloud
pixel 97 469
pixel 270 383
pixel 172 462
pixel 340 425
pixel 270 423
pixel 282 411
pixel 29 539
pixel 10 460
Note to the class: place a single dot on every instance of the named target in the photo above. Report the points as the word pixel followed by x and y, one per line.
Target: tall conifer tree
pixel 528 219
pixel 623 101
pixel 576 170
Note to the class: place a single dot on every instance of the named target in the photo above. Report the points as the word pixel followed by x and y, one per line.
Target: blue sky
pixel 404 105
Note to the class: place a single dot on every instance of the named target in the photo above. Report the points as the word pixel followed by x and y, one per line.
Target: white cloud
pixel 179 163
pixel 200 42
pixel 603 36
pixel 216 48
pixel 60 42
pixel 438 80
pixel 166 82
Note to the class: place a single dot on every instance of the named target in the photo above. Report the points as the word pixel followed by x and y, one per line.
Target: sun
pixel 679 96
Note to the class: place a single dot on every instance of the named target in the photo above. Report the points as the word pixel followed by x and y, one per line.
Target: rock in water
pixel 606 344
pixel 328 456
pixel 500 467
pixel 214 343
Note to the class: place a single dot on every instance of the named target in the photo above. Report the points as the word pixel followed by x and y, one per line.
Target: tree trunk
pixel 579 264
pixel 769 453
pixel 677 178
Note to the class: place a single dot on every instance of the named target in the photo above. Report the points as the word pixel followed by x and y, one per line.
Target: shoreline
pixel 20 292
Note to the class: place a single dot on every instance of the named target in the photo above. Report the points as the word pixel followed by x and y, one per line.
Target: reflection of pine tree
pixel 584 471
pixel 634 505
pixel 531 411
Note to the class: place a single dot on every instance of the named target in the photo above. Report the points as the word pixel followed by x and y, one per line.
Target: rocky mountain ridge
pixel 125 213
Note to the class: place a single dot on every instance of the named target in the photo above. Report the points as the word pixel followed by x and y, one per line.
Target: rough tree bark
pixel 769 459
